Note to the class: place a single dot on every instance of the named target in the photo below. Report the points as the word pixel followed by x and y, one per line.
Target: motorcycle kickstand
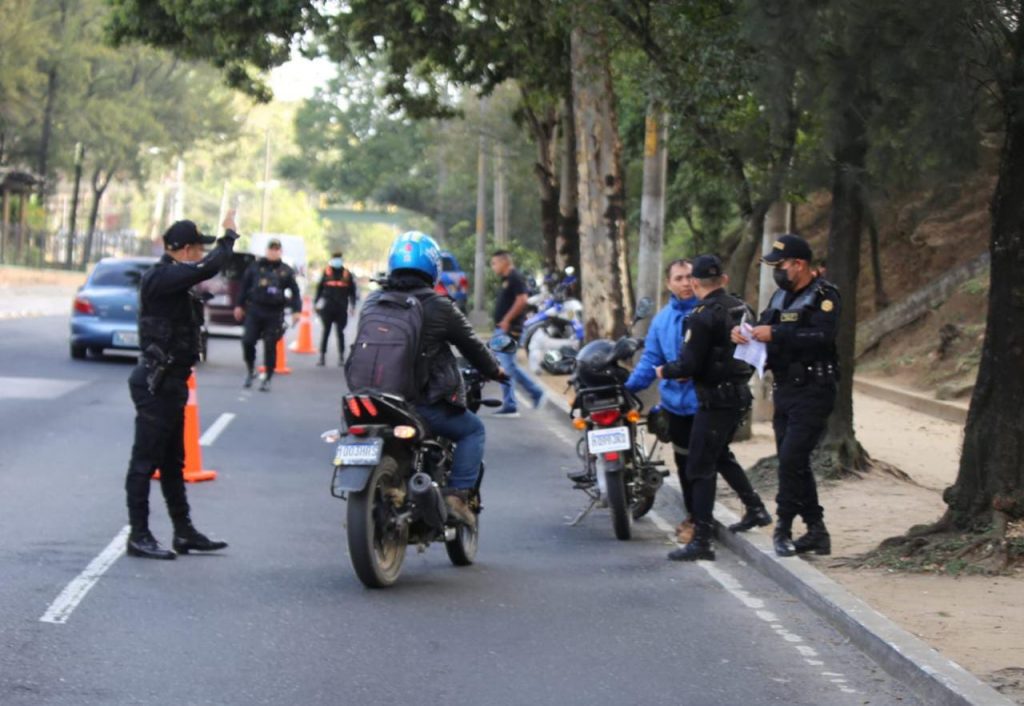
pixel 585 512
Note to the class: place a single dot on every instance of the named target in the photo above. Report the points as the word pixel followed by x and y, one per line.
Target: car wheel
pixel 96 351
pixel 77 352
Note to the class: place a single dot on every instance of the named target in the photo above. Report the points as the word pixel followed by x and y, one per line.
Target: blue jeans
pixel 508 389
pixel 467 431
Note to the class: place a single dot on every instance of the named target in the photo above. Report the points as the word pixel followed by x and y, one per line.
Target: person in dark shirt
pixel 170 316
pixel 268 287
pixel 509 315
pixel 799 328
pixel 335 299
pixel 724 398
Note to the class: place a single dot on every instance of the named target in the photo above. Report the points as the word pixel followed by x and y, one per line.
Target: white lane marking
pixel 216 429
pixel 733 586
pixel 60 610
pixel 36 388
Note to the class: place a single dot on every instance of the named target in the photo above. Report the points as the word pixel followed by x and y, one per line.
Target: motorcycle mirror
pixel 331 436
pixel 644 308
pixel 503 343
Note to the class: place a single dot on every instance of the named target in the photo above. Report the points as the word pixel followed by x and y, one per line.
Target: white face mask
pixel 336 262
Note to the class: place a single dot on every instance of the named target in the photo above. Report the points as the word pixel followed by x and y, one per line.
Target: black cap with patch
pixel 183 233
pixel 788 247
pixel 706 267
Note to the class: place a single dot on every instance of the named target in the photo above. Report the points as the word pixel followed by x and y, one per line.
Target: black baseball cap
pixel 273 244
pixel 706 267
pixel 788 247
pixel 183 233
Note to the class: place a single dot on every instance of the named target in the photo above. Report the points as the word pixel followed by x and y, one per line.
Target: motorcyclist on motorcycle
pixel 414 265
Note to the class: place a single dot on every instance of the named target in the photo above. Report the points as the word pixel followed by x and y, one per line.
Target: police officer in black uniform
pixel 335 297
pixel 265 291
pixel 799 328
pixel 170 316
pixel 724 397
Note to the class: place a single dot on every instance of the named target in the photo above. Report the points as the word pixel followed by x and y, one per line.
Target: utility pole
pixel 179 192
pixel 500 197
pixel 652 206
pixel 479 315
pixel 266 185
pixel 69 248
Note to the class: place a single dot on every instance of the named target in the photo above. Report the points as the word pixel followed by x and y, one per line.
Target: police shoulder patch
pixel 827 305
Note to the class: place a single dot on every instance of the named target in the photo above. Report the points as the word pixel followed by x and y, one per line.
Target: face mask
pixel 782 279
pixel 336 263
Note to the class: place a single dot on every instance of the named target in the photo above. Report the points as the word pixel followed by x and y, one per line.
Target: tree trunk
pixel 607 304
pixel 842 452
pixel 99 187
pixel 567 249
pixel 652 208
pixel 479 258
pixel 69 253
pixel 738 265
pixel 43 166
pixel 500 197
pixel 544 130
pixel 991 477
pixel 881 298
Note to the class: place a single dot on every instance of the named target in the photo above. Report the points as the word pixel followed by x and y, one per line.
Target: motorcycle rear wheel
pixel 462 549
pixel 377 550
pixel 642 505
pixel 618 503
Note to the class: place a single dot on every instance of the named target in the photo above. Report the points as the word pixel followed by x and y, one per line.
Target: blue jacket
pixel 664 339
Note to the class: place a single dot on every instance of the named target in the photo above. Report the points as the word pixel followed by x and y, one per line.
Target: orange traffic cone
pixel 304 343
pixel 281 366
pixel 193 470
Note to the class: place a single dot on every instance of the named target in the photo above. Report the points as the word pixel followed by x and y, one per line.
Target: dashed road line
pixel 216 429
pixel 61 608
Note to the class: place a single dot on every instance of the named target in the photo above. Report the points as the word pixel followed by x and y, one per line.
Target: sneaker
pixel 540 400
pixel 506 413
pixel 249 377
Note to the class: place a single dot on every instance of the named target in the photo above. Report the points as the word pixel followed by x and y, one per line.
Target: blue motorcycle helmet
pixel 415 252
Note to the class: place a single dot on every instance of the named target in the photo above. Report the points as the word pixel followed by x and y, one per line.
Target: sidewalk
pixel 975 621
pixel 26 292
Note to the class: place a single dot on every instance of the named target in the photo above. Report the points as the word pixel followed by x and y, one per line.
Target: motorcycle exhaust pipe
pixel 426 495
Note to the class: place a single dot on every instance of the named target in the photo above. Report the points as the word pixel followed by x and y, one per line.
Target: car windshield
pixel 118 274
pixel 448 264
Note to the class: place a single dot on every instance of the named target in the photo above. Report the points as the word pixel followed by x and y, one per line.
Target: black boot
pixel 698 548
pixel 755 516
pixel 188 539
pixel 782 538
pixel 816 540
pixel 320 361
pixel 144 545
pixel 265 385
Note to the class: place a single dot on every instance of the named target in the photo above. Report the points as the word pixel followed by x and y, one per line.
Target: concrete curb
pixel 937 679
pixel 949 411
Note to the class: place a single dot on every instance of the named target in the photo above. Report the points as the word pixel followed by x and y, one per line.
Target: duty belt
pixel 799 374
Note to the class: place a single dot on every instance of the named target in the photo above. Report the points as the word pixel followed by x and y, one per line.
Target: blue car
pixel 106 308
pixel 453 281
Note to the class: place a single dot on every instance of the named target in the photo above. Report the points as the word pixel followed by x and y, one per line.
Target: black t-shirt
pixel 511 287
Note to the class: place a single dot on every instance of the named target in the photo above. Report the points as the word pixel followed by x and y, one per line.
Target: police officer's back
pixel 170 316
pixel 724 396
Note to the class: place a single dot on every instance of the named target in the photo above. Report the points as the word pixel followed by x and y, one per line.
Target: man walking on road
pixel 509 315
pixel 170 316
pixel 799 328
pixel 335 300
pixel 268 286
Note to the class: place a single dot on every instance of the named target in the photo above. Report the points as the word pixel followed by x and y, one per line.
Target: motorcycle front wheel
pixel 618 503
pixel 376 540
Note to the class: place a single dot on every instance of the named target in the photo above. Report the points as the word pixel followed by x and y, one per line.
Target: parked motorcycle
pixel 618 469
pixel 560 316
pixel 392 471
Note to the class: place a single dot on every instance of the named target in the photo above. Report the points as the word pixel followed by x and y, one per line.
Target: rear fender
pixel 350 479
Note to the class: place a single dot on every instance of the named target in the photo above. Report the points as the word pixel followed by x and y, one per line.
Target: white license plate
pixel 220 300
pixel 128 339
pixel 604 440
pixel 358 453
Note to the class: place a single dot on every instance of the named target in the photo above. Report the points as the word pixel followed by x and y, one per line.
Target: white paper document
pixel 754 353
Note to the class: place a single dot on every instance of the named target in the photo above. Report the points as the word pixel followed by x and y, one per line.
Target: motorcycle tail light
pixel 605 417
pixel 611 456
pixel 369 405
pixel 579 423
pixel 463 283
pixel 404 432
pixel 632 416
pixel 353 407
pixel 84 306
pixel 357 431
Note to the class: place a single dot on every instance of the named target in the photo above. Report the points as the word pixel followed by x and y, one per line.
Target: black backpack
pixel 386 354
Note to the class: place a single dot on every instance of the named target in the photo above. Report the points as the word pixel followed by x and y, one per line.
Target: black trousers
pixel 265 325
pixel 337 317
pixel 801 415
pixel 679 427
pixel 159 443
pixel 709 455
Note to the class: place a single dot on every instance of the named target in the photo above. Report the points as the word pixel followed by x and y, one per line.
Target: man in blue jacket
pixel 678 397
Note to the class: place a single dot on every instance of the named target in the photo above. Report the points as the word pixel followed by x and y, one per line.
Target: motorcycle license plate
pixel 128 339
pixel 611 439
pixel 358 453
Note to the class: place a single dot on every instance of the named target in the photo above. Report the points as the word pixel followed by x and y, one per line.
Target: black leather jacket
pixel 445 326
